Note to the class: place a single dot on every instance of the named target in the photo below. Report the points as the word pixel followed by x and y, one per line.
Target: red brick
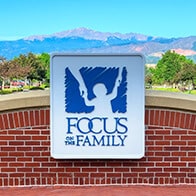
pixel 105 169
pixel 178 143
pixel 172 119
pixel 178 154
pixel 32 132
pixel 187 121
pixel 179 132
pixel 162 164
pixel 81 164
pixel 90 170
pixel 121 169
pixel 41 159
pixel 7 137
pixel 21 119
pixel 26 118
pixel 8 148
pixel 162 174
pixel 172 137
pixel 182 120
pixel 23 137
pixel 170 169
pixel 11 120
pixel 155 148
pixel 178 164
pixel 44 174
pixel 167 118
pixel 146 117
pixel 72 169
pixel 171 148
pixel 47 116
pixel 188 137
pixel 15 132
pixel 2 126
pixel 42 117
pixel 3 154
pixel 192 153
pixel 83 174
pixel 32 143
pixel 192 132
pixel 32 118
pixel 8 159
pixel 187 159
pixel 39 137
pixel 109 175
pixel 191 143
pixel 162 118
pixel 154 169
pixel 179 174
pixel 97 164
pixel 6 121
pixel 32 154
pixel 152 116
pixel 19 175
pixel 24 169
pixel 156 117
pixel 16 143
pixel 25 159
pixel 149 132
pixel 162 132
pixel 36 113
pixel 155 137
pixel 16 119
pixel 114 164
pixel 162 154
pixel 177 119
pixel 162 143
pixel 171 159
pixel 8 169
pixel 138 169
pixel 144 175
pixel 23 148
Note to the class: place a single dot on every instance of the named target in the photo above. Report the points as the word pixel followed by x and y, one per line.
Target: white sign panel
pixel 97 106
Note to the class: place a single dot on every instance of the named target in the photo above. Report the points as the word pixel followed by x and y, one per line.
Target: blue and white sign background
pixel 97 106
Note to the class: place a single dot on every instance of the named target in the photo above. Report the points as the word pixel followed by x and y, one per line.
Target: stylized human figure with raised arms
pixel 102 100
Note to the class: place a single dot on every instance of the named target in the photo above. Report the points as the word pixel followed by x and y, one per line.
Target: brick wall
pixel 170 156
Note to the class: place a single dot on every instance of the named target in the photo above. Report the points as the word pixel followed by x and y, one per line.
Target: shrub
pixel 36 88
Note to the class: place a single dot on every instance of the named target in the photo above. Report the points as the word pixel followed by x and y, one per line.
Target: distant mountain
pixel 87 40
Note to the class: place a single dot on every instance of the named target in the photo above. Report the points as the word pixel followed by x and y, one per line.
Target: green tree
pixel 148 77
pixel 44 60
pixel 188 74
pixel 32 62
pixel 168 67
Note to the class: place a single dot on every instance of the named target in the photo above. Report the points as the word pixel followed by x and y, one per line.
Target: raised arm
pixel 77 75
pixel 116 85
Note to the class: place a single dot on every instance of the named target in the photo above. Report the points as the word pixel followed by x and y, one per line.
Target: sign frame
pixel 120 145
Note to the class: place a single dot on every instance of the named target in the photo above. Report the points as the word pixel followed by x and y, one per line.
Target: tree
pixel 36 69
pixel 188 74
pixel 3 70
pixel 148 77
pixel 17 70
pixel 44 60
pixel 168 67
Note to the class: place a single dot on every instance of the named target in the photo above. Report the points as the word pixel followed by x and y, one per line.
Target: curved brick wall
pixel 170 156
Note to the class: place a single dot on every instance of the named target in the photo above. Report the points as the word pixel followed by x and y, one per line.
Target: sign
pixel 97 106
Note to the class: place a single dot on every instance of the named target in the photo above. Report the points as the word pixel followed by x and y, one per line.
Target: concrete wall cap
pixel 41 98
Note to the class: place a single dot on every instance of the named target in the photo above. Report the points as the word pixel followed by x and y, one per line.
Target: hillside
pixel 87 40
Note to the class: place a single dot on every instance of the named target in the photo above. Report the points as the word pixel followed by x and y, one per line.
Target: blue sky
pixel 165 18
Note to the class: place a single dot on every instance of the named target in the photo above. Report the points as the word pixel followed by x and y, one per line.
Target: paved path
pixel 101 191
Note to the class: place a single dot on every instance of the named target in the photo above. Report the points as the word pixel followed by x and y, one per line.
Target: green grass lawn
pixel 193 92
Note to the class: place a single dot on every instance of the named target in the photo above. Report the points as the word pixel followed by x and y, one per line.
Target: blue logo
pixel 95 89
